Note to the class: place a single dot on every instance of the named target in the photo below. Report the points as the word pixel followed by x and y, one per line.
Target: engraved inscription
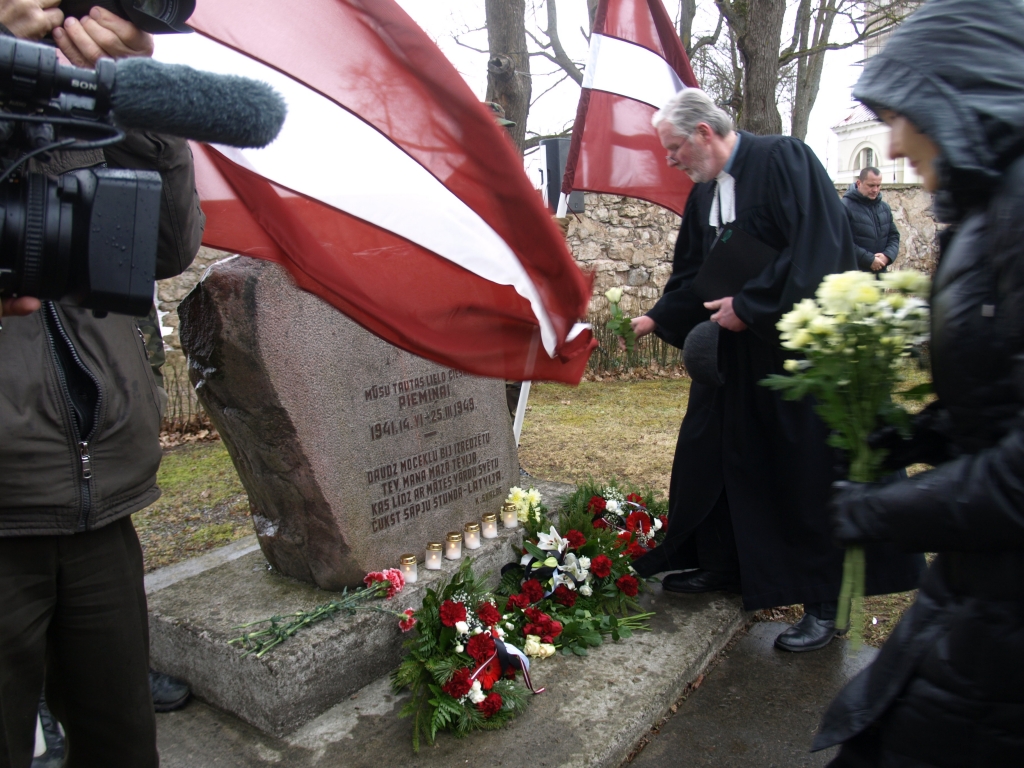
pixel 431 479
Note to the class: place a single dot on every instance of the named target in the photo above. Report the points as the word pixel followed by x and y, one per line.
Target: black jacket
pixel 947 689
pixel 874 230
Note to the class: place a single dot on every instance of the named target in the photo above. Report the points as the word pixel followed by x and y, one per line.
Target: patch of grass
pixel 604 430
pixel 203 506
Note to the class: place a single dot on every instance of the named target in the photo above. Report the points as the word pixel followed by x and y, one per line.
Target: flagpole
pixel 563 206
pixel 517 425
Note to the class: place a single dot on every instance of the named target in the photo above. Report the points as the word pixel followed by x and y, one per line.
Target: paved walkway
pixel 758 708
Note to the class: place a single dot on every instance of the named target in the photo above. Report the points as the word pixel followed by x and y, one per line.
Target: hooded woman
pixel 947 689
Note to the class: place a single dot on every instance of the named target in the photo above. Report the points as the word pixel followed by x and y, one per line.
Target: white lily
pixel 552 541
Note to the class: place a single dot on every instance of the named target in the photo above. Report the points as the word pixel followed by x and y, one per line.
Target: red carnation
pixel 628 585
pixel 480 647
pixel 491 705
pixel 488 614
pixel 518 600
pixel 394 578
pixel 459 685
pixel 636 498
pixel 601 566
pixel 638 521
pixel 596 505
pixel 564 596
pixel 664 523
pixel 635 550
pixel 575 538
pixel 623 539
pixel 599 523
pixel 452 613
pixel 533 590
pixel 409 621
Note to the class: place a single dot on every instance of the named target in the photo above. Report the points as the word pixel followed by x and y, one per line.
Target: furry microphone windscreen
pixel 186 102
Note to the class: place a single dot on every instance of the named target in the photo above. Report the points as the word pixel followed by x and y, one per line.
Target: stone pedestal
pixel 352 451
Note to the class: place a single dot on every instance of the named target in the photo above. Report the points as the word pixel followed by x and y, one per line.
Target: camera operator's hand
pixel 23 305
pixel 30 19
pixel 101 34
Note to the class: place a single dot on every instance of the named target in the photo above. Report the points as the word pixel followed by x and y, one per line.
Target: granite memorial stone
pixel 352 451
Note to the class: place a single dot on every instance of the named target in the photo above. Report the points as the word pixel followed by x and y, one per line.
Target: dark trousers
pixel 73 612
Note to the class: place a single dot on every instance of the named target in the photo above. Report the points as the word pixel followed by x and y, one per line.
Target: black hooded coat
pixel 874 230
pixel 768 456
pixel 947 689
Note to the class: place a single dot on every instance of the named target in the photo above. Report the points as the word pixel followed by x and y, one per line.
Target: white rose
pixel 586 590
pixel 509 625
pixel 458 648
pixel 546 649
pixel 532 646
pixel 461 627
pixel 612 506
pixel 614 295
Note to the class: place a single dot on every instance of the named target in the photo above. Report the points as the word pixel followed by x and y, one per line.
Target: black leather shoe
pixel 693 582
pixel 808 634
pixel 53 739
pixel 169 693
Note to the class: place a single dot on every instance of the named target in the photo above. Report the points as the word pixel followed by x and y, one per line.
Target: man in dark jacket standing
pixel 80 420
pixel 875 236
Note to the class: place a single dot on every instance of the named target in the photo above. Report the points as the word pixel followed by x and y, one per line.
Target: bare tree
pixel 508 66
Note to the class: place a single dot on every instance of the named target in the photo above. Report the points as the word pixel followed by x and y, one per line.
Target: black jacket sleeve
pixel 181 218
pixel 864 257
pixel 892 242
pixel 679 309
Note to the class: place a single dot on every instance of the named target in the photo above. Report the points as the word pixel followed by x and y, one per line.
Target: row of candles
pixel 454 541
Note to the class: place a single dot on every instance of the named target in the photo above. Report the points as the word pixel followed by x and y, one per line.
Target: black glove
pixel 928 443
pixel 852 514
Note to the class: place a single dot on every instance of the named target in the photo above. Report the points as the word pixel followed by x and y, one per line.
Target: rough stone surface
pixel 191 620
pixel 594 711
pixel 352 451
pixel 758 707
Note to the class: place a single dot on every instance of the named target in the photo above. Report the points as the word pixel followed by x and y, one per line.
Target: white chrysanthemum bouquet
pixel 851 337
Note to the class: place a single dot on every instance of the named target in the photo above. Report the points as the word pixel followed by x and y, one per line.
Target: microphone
pixel 176 99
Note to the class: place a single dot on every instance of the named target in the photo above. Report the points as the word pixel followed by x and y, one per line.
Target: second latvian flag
pixel 636 64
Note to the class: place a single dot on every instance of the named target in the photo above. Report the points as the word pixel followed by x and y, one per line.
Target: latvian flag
pixel 390 192
pixel 636 64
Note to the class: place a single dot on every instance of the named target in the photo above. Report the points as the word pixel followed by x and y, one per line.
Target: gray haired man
pixel 752 473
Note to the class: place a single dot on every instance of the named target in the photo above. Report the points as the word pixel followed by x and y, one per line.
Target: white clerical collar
pixel 723 206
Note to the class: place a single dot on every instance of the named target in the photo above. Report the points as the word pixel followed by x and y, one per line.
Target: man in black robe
pixel 752 473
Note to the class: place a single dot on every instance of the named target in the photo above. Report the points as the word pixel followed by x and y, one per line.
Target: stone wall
pixel 628 243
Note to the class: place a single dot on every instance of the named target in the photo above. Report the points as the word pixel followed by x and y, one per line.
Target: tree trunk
pixel 809 67
pixel 759 42
pixel 508 68
pixel 687 10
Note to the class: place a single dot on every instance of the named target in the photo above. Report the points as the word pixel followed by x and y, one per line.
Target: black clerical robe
pixel 769 456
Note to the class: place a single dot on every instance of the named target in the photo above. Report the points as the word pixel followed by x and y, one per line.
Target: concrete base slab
pixel 195 606
pixel 593 713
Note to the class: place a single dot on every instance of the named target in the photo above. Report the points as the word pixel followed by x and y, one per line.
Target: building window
pixel 865 159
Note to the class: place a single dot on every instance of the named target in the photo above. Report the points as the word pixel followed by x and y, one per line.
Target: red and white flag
pixel 390 192
pixel 636 64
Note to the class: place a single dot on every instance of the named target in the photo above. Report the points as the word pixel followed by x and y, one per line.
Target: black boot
pixel 169 693
pixel 693 582
pixel 808 634
pixel 53 757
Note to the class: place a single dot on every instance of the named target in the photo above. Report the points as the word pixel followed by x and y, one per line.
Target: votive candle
pixel 471 535
pixel 433 561
pixel 509 515
pixel 407 565
pixel 489 530
pixel 453 545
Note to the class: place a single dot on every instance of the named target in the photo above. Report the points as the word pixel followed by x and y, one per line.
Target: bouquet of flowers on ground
pixel 639 521
pixel 461 664
pixel 850 338
pixel 276 629
pixel 570 590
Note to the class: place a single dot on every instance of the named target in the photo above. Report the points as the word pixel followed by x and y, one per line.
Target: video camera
pixel 90 236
